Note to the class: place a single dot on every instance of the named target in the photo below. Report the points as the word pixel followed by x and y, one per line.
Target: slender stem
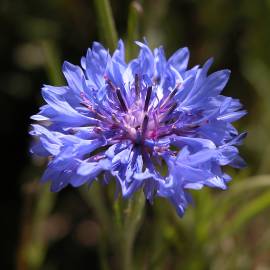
pixel 118 217
pixel 106 22
pixel 52 62
pixel 134 213
pixel 135 11
pixel 38 246
pixel 94 198
pixel 33 247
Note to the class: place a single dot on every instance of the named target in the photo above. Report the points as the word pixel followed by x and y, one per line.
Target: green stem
pixel 38 247
pixel 52 62
pixel 132 222
pixel 135 11
pixel 33 246
pixel 94 198
pixel 106 22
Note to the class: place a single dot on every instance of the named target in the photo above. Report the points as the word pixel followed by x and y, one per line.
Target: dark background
pixel 235 33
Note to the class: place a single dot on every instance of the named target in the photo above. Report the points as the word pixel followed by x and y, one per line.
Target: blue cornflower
pixel 150 124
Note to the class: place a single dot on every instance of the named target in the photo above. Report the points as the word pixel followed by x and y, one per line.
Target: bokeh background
pixel 74 229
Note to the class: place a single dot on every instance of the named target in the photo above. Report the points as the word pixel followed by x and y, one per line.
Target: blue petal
pixel 119 54
pixel 195 144
pixel 146 59
pixel 62 110
pixel 180 59
pixel 160 63
pixel 231 117
pixel 48 141
pixel 227 155
pixel 238 162
pixel 74 77
pixel 216 182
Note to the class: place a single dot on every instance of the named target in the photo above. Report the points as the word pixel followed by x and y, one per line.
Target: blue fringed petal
pixel 152 124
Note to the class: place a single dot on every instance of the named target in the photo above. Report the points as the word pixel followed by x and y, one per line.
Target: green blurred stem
pixel 37 248
pixel 94 198
pixel 52 62
pixel 118 219
pixel 135 12
pixel 106 22
pixel 33 246
pixel 132 220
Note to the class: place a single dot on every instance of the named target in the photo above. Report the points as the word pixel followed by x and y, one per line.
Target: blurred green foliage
pixel 225 229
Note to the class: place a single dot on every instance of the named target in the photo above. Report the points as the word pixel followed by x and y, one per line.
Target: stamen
pixel 97 157
pixel 121 100
pixel 173 107
pixel 110 83
pixel 137 87
pixel 166 114
pixel 86 103
pixel 144 125
pixel 114 118
pixel 171 95
pixel 98 130
pixel 101 117
pixel 89 107
pixel 147 99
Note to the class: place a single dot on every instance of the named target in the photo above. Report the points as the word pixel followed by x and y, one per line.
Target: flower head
pixel 150 124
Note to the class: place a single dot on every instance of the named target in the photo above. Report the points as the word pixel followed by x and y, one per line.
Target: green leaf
pixel 245 213
pixel 230 199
